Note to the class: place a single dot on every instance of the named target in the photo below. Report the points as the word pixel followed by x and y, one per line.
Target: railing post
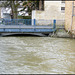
pixel 54 24
pixel 34 22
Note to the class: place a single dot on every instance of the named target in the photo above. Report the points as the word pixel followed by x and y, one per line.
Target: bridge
pixel 20 26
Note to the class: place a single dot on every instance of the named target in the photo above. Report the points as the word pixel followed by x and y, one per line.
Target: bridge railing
pixel 16 21
pixel 44 22
pixel 58 23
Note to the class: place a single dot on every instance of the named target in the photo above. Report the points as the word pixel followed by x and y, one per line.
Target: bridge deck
pixel 26 28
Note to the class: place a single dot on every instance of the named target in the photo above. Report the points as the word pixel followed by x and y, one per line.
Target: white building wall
pixel 33 16
pixel 5 10
pixel 52 10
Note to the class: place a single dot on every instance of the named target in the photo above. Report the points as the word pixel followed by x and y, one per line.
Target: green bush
pixel 24 17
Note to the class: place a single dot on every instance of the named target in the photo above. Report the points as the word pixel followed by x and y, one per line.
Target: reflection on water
pixel 37 55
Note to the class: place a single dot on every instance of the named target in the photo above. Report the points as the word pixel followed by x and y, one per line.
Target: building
pixel 69 23
pixel 51 10
pixel 5 13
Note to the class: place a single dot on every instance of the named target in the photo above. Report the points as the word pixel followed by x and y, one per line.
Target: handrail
pixel 27 22
pixel 16 21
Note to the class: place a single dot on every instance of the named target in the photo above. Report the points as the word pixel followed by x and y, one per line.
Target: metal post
pixel 54 24
pixel 34 22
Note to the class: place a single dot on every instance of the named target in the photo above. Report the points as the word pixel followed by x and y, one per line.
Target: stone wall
pixel 44 22
pixel 68 17
pixel 52 10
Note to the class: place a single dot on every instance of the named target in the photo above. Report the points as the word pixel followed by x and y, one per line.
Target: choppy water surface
pixel 32 55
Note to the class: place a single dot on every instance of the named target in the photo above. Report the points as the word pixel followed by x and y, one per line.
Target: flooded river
pixel 34 55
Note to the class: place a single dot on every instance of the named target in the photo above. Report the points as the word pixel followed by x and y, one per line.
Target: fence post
pixel 54 24
pixel 34 22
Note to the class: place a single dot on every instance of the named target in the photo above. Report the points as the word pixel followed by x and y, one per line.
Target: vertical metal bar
pixel 11 21
pixel 34 22
pixel 23 21
pixel 28 21
pixel 17 21
pixel 54 24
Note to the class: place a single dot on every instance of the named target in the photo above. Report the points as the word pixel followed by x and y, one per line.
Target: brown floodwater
pixel 37 55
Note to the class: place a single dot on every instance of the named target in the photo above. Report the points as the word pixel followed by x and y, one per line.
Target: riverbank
pixel 62 33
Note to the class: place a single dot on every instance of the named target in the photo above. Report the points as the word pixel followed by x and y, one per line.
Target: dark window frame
pixel 62 8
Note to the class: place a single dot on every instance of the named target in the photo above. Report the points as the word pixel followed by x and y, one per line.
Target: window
pixel 63 9
pixel 62 6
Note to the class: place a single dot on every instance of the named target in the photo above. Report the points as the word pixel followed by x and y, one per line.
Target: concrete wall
pixel 68 17
pixel 52 10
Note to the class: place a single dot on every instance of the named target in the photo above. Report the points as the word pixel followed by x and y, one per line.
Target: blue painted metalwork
pixel 26 30
pixel 54 24
pixel 22 22
pixel 34 22
pixel 12 30
pixel 17 21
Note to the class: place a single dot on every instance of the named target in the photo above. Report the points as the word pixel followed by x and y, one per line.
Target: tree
pixel 30 5
pixel 27 4
pixel 13 5
pixel 41 4
pixel 33 5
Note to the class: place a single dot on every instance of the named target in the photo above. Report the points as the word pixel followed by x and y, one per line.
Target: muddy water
pixel 30 55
